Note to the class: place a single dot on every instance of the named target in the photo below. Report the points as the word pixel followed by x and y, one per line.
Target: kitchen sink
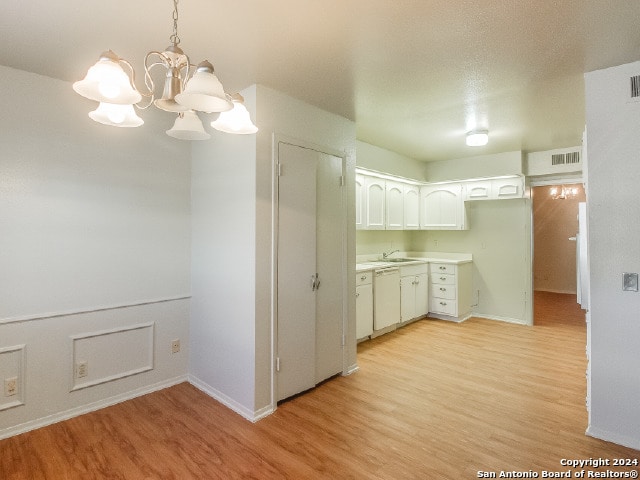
pixel 398 260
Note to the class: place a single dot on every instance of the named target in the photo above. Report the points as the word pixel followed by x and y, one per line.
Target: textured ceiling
pixel 414 75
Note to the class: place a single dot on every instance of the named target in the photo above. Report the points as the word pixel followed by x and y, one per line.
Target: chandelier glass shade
pixel 188 127
pixel 187 89
pixel 116 115
pixel 236 120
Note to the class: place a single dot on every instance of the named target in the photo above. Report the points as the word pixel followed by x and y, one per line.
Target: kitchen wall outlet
pixel 175 346
pixel 10 386
pixel 82 369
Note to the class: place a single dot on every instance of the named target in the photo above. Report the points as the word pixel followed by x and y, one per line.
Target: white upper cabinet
pixel 494 188
pixel 411 207
pixel 507 187
pixel 442 207
pixel 394 197
pixel 478 190
pixel 360 201
pixel 385 202
pixel 375 203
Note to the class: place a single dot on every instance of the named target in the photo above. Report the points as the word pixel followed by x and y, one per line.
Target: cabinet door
pixel 507 187
pixel 364 311
pixel 477 190
pixel 407 298
pixel 375 204
pixel 422 295
pixel 360 201
pixel 442 207
pixel 394 198
pixel 411 207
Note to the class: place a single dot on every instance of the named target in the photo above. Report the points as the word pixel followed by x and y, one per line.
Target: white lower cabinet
pixel 414 292
pixel 450 291
pixel 364 305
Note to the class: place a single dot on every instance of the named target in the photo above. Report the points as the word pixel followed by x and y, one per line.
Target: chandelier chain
pixel 175 39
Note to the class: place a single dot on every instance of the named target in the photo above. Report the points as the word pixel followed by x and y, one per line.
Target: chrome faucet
pixel 385 255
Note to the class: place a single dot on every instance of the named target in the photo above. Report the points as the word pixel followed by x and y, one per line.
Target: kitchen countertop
pixel 373 263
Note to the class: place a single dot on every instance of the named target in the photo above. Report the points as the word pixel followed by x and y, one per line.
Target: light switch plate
pixel 630 282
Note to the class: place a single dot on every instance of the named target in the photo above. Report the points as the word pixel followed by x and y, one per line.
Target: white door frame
pixel 542 181
pixel 276 140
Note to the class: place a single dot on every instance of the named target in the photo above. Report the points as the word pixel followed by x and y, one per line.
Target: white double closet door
pixel 310 279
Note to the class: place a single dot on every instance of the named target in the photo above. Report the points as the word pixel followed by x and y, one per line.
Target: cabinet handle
pixel 443 278
pixel 443 303
pixel 442 268
pixel 363 277
pixel 357 294
pixel 443 289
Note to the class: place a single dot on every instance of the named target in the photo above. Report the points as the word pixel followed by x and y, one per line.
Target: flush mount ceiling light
pixel 477 138
pixel 188 89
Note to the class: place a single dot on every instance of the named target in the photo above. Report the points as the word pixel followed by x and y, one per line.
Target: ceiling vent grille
pixel 565 158
pixel 635 86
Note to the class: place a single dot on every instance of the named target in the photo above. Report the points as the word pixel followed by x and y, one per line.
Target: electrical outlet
pixel 82 369
pixel 175 346
pixel 10 386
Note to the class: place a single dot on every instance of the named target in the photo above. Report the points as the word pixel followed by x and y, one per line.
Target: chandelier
pixel 188 89
pixel 563 193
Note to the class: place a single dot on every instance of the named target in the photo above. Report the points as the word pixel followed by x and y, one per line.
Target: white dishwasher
pixel 386 297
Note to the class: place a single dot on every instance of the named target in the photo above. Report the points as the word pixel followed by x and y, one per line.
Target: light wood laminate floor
pixel 433 400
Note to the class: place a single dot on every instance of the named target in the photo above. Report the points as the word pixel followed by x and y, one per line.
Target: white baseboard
pixel 551 290
pixel 518 321
pixel 251 415
pixel 91 407
pixel 449 318
pixel 351 369
pixel 614 437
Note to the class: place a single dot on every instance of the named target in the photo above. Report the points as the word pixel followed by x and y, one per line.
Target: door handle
pixel 315 282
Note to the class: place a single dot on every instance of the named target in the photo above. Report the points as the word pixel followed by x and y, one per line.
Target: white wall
pixel 94 237
pixel 507 163
pixel 382 160
pixel 499 240
pixel 613 127
pixel 223 208
pixel 539 163
pixel 232 204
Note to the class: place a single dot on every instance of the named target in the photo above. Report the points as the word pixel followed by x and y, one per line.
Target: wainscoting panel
pixel 12 368
pixel 104 356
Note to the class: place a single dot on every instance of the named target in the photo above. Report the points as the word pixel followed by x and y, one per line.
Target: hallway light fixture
pixel 562 192
pixel 188 89
pixel 477 138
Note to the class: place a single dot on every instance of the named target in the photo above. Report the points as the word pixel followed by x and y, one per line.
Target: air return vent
pixel 635 86
pixel 565 158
